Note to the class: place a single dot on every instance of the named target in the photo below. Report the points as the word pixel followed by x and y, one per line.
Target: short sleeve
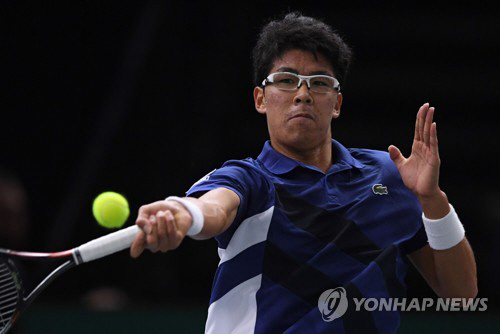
pixel 243 178
pixel 411 212
pixel 416 242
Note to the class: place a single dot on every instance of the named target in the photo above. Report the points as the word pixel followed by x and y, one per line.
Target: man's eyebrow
pixel 287 69
pixel 321 73
pixel 292 70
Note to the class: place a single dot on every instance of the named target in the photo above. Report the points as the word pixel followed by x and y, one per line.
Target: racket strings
pixel 9 295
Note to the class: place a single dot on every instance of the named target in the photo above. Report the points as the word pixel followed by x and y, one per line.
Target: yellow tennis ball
pixel 110 209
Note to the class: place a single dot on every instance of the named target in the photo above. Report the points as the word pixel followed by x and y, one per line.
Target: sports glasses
pixel 291 81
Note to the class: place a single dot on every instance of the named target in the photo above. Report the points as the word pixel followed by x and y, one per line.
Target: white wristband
pixel 194 211
pixel 444 233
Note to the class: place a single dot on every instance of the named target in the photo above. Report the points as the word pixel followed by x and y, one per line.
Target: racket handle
pixel 106 245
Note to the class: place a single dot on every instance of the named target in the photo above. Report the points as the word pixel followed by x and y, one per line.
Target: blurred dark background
pixel 146 97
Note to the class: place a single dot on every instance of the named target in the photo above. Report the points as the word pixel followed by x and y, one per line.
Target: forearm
pixel 454 266
pixel 164 224
pixel 216 219
pixel 219 208
pixel 456 271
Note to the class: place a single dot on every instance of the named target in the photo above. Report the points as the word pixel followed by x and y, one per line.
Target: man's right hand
pixel 163 225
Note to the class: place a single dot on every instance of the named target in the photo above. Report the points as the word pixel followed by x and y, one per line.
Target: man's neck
pixel 319 156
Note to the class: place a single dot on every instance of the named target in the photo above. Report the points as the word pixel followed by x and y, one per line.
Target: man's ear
pixel 336 108
pixel 259 99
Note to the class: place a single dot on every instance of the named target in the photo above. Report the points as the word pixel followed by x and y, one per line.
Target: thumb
pixel 396 155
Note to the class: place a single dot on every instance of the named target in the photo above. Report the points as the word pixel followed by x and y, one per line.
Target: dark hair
pixel 296 31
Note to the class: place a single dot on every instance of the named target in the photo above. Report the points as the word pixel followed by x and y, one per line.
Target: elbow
pixel 472 291
pixel 467 293
pixel 467 289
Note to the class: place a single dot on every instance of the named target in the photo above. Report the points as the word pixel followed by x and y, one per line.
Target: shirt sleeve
pixel 416 242
pixel 407 208
pixel 412 218
pixel 411 215
pixel 246 181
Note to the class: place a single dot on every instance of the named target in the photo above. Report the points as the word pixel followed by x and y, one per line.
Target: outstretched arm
pixel 164 224
pixel 450 272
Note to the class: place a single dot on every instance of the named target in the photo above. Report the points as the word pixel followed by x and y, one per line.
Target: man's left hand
pixel 420 171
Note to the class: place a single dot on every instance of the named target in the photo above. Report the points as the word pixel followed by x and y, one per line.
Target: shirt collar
pixel 278 163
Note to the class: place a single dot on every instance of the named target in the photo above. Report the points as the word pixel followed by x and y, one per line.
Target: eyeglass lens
pixel 289 81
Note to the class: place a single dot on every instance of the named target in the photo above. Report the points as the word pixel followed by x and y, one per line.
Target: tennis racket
pixel 14 300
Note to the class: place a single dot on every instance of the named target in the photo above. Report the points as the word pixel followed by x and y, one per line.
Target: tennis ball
pixel 110 209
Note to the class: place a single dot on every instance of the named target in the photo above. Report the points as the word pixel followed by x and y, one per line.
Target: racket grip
pixel 106 245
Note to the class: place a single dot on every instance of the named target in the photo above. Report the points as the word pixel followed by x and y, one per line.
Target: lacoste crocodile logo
pixel 380 189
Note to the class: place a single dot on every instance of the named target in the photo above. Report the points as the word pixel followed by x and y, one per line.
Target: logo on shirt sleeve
pixel 206 177
pixel 380 189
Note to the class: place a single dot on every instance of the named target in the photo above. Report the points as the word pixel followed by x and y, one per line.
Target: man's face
pixel 299 119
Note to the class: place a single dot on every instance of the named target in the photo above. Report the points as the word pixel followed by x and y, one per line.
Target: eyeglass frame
pixel 302 78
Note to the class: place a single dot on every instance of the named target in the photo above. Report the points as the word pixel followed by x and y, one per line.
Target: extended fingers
pixel 427 126
pixel 434 139
pixel 417 125
pixel 420 122
pixel 424 123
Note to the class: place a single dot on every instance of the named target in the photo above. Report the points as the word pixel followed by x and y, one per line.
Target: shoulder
pixel 235 174
pixel 247 163
pixel 243 168
pixel 378 166
pixel 234 168
pixel 373 158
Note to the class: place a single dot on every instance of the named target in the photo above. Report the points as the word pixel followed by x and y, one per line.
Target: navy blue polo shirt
pixel 299 232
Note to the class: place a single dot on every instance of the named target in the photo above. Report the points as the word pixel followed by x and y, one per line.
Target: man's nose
pixel 303 94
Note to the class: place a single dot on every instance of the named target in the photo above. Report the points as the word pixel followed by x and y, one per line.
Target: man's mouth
pixel 302 115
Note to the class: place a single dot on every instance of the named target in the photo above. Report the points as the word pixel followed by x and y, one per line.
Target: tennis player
pixel 308 214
